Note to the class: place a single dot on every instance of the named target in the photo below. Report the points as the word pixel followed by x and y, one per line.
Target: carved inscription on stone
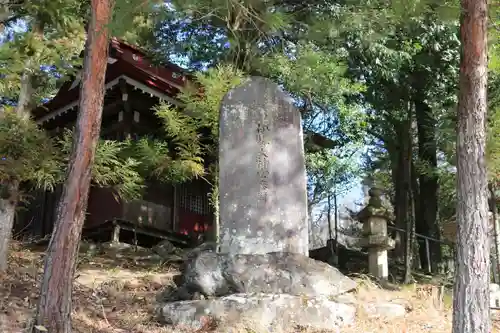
pixel 263 160
pixel 262 180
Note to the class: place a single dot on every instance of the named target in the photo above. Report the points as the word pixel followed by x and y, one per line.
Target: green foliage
pixel 493 132
pixel 183 128
pixel 47 54
pixel 201 106
pixel 329 173
pixel 139 16
pixel 282 40
pixel 29 51
pixel 205 25
pixel 493 124
pixel 306 73
pixel 59 14
pixel 447 194
pixel 319 79
pixel 352 67
pixel 30 156
pixel 112 167
pixel 158 161
pixel 200 114
pixel 27 154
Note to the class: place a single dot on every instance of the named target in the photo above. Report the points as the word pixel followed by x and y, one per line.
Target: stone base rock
pixel 215 274
pixel 260 312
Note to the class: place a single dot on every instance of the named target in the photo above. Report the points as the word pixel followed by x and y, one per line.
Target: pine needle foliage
pixel 201 101
pixel 27 154
pixel 49 57
pixel 493 137
pixel 112 167
pixel 158 161
pixel 201 106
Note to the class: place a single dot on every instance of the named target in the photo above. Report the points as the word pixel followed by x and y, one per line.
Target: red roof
pixel 132 62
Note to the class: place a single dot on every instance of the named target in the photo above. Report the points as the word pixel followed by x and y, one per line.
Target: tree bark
pixel 8 203
pixel 407 154
pixel 4 14
pixel 471 313
pixel 54 308
pixel 402 185
pixel 429 186
pixel 419 249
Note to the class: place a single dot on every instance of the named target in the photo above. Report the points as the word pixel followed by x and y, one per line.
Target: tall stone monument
pixel 262 177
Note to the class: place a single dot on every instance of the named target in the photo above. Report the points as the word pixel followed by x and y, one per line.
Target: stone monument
pixel 262 275
pixel 374 219
pixel 262 179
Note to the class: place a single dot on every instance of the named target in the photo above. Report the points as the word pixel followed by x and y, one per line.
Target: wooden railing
pixel 426 240
pixel 148 214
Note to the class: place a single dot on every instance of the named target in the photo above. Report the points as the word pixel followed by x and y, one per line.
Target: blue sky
pixel 19 26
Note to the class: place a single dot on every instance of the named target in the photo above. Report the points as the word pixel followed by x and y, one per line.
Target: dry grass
pixel 118 295
pixel 423 315
pixel 111 295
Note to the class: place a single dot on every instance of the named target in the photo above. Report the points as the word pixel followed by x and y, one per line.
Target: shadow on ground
pixel 110 294
pixel 115 295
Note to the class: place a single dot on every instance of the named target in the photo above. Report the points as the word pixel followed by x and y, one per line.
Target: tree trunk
pixel 420 248
pixel 8 203
pixel 329 218
pixel 336 211
pixel 407 153
pixel 402 185
pixel 4 14
pixel 471 313
pixel 54 308
pixel 9 198
pixel 427 153
pixel 10 189
pixel 394 152
pixel 330 231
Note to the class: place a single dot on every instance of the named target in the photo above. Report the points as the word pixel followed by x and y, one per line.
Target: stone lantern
pixel 375 237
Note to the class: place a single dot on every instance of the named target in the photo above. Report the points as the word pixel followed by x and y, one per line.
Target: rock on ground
pixel 215 274
pixel 164 248
pixel 261 312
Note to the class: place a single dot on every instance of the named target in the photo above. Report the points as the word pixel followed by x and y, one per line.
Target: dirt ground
pixel 117 294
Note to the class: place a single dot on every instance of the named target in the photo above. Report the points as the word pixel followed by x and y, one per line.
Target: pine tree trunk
pixel 471 312
pixel 54 308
